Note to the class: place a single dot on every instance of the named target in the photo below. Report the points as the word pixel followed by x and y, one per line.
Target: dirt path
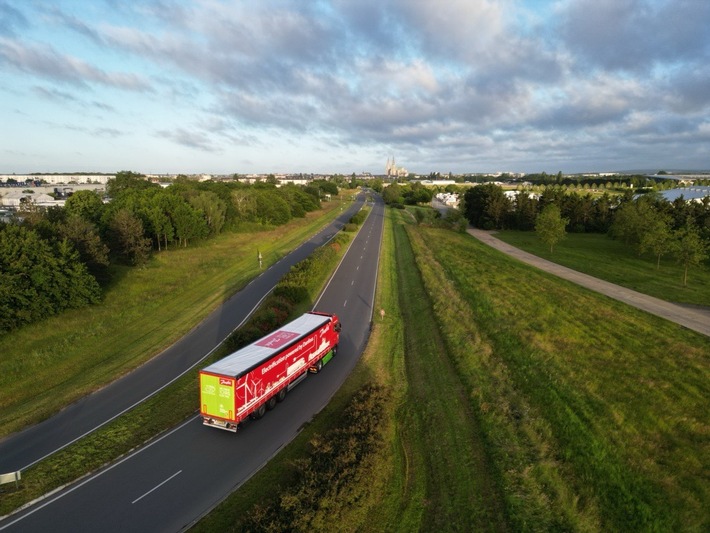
pixel 697 319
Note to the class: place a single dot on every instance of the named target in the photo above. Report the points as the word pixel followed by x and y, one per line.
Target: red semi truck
pixel 256 377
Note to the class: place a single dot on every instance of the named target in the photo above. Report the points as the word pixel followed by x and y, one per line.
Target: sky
pixel 262 86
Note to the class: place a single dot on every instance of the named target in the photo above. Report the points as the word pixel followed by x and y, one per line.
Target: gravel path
pixel 692 317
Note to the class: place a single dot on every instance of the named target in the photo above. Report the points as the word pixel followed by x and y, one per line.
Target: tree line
pixel 59 258
pixel 647 223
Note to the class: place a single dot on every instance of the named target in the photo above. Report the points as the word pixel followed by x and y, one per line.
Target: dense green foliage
pixel 335 460
pixel 406 194
pixel 142 217
pixel 647 224
pixel 40 277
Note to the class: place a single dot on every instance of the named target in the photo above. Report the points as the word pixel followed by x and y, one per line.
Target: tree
pixel 630 222
pixel 550 226
pixel 127 233
pixel 393 194
pixel 85 204
pixel 525 211
pixel 125 180
pixel 213 208
pixel 658 238
pixel 39 277
pixel 188 223
pixel 85 238
pixel 691 250
pixel 485 206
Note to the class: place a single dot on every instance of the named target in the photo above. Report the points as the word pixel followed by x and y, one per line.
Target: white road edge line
pixel 150 395
pixel 157 486
pixel 59 494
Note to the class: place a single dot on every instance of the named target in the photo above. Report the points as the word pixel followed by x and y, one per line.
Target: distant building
pixel 392 171
pixel 58 179
pixel 689 194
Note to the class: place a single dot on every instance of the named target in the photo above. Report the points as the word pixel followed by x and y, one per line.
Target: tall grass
pixel 596 413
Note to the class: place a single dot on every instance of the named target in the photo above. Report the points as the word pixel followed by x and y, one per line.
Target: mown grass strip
pixel 159 413
pixel 598 411
pixel 613 261
pixel 461 488
pixel 142 312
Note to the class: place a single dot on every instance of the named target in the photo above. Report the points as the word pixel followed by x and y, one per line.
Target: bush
pixel 335 459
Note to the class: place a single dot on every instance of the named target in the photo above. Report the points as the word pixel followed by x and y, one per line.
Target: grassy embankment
pixel 595 414
pixel 142 312
pixel 424 476
pixel 574 412
pixel 616 262
pixel 173 404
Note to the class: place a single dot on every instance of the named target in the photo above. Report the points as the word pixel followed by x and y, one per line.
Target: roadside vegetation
pixel 58 258
pixel 292 296
pixel 142 312
pixel 514 401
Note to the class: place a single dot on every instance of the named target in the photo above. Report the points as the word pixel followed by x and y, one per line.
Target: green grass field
pixel 614 261
pixel 142 312
pixel 518 402
pixel 595 413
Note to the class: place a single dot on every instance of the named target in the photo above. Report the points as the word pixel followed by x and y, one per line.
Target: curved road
pixel 696 319
pixel 173 481
pixel 21 450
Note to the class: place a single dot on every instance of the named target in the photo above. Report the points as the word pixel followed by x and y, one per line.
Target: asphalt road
pixel 170 483
pixel 23 449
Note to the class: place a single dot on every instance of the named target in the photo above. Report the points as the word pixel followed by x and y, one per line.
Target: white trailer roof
pixel 252 355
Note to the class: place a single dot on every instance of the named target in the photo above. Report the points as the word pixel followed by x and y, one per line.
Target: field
pixel 515 402
pixel 506 400
pixel 142 312
pixel 613 261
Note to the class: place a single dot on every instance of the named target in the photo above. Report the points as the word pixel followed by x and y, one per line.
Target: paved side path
pixel 695 319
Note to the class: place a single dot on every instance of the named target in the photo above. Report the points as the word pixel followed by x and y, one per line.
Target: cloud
pixel 12 20
pixel 635 35
pixel 46 62
pixel 464 81
pixel 190 138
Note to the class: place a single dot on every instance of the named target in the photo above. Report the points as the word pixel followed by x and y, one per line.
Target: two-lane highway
pixel 23 449
pixel 170 483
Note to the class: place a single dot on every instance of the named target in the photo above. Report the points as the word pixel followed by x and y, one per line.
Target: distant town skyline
pixel 223 87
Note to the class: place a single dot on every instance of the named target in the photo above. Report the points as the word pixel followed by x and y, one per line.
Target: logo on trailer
pixel 227 382
pixel 277 339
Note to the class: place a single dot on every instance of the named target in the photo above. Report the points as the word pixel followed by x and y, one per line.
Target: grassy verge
pixel 380 473
pixel 440 426
pixel 161 412
pixel 142 312
pixel 613 261
pixel 596 413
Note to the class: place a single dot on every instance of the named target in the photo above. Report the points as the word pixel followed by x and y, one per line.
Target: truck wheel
pixel 259 413
pixel 319 365
pixel 271 403
pixel 281 396
pixel 335 350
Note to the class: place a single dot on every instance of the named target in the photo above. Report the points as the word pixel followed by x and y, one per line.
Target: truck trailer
pixel 253 379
